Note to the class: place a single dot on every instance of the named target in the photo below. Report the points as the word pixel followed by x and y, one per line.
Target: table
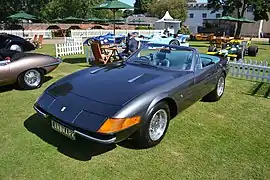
pixel 115 52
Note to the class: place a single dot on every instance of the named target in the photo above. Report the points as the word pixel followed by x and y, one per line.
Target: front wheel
pixel 154 129
pixel 174 42
pixel 217 93
pixel 31 79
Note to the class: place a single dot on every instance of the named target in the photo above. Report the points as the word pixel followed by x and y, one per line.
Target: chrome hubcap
pixel 158 124
pixel 15 47
pixel 32 78
pixel 220 86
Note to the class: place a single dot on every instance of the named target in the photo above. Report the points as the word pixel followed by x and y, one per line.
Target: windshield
pixel 168 57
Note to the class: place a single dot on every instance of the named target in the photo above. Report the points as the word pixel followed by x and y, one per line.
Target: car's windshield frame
pixel 194 55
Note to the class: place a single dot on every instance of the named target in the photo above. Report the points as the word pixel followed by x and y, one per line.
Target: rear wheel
pixel 174 42
pixel 31 79
pixel 154 129
pixel 252 50
pixel 217 93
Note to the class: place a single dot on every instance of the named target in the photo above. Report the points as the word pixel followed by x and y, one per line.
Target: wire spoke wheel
pixel 158 125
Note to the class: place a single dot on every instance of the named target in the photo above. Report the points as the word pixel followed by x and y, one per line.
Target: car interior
pixel 173 59
pixel 206 60
pixel 10 55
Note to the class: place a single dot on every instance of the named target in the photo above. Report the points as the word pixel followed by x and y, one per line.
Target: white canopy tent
pixel 167 22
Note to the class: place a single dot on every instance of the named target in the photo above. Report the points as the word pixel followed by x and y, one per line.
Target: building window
pixel 218 15
pixel 191 15
pixel 204 15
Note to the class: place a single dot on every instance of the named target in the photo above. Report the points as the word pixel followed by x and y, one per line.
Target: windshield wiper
pixel 142 62
pixel 147 63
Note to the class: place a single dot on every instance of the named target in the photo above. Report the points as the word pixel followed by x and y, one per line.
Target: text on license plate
pixel 63 130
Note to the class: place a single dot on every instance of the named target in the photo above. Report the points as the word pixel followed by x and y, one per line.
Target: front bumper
pixel 93 136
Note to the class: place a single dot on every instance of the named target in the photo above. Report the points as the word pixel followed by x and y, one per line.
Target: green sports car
pixel 234 49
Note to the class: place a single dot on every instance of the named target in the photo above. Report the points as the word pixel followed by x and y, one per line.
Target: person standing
pixel 131 46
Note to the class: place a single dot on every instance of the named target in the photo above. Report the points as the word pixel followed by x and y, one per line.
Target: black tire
pixel 23 84
pixel 215 95
pixel 174 42
pixel 142 138
pixel 192 37
pixel 223 46
pixel 239 54
pixel 212 49
pixel 253 50
pixel 16 47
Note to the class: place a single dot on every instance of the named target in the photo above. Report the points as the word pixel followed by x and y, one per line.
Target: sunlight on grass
pixel 228 139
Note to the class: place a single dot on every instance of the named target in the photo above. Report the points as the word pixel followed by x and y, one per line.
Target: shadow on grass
pixel 80 60
pixel 200 45
pixel 74 60
pixel 81 149
pixel 129 145
pixel 264 44
pixel 11 87
pixel 261 89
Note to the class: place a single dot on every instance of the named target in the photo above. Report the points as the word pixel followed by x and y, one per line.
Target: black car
pixel 136 98
pixel 12 42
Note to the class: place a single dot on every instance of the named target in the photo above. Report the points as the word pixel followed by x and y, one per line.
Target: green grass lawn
pixel 228 139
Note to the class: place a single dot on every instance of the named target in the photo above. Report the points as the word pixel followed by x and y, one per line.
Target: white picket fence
pixel 251 70
pixel 47 34
pixel 73 39
pixel 65 49
pixel 98 32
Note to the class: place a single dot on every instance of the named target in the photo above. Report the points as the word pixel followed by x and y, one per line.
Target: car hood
pixel 112 85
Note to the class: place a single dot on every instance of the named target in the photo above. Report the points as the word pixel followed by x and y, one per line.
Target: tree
pixel 142 6
pixel 80 9
pixel 10 7
pixel 177 8
pixel 52 9
pixel 127 13
pixel 239 7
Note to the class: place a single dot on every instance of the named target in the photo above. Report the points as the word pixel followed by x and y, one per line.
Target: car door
pixel 4 73
pixel 205 78
pixel 185 92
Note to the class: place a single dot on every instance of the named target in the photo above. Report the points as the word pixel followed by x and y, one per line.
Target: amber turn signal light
pixel 113 125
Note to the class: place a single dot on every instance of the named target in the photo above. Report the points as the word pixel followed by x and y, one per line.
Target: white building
pixel 198 13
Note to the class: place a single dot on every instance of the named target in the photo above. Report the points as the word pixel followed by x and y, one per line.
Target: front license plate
pixel 63 130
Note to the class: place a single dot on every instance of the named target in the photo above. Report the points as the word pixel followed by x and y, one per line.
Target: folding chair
pixel 103 51
pixel 100 57
pixel 40 41
pixel 34 40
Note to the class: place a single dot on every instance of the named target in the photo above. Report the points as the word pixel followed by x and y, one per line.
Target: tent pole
pixel 113 10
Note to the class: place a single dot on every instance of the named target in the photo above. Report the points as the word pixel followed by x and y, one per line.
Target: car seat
pixel 161 59
pixel 188 62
